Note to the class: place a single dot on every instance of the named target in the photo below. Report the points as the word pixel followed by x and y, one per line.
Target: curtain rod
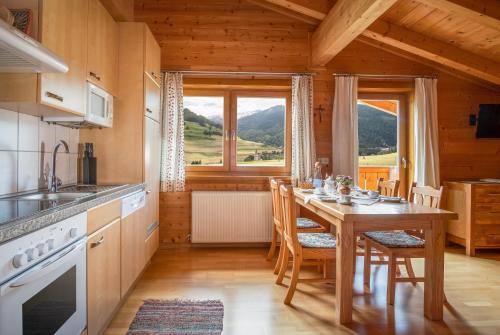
pixel 243 73
pixel 388 76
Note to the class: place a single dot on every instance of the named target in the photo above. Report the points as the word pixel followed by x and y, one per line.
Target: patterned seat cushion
pixel 305 223
pixel 395 239
pixel 317 240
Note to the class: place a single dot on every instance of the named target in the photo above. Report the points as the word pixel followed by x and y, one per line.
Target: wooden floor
pixel 243 280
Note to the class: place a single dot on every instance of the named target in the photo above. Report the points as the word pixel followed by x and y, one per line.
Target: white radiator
pixel 228 217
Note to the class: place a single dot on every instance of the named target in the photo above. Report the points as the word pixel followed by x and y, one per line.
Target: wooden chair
pixel 304 225
pixel 388 188
pixel 302 246
pixel 400 244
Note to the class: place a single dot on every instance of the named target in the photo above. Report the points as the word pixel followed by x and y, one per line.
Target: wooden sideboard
pixel 478 207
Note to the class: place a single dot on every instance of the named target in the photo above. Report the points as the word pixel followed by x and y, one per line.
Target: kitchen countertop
pixel 20 217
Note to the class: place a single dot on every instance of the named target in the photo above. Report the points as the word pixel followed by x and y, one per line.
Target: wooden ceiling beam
pixel 285 11
pixel 298 8
pixel 485 12
pixel 434 50
pixel 345 21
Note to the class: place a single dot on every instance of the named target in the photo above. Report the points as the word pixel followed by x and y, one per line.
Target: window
pixel 237 131
pixel 204 130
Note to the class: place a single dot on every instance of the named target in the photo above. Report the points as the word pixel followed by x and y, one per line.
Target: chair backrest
pixel 275 194
pixel 424 196
pixel 388 188
pixel 427 196
pixel 288 209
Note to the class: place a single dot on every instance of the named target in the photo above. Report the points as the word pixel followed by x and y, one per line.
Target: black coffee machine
pixel 88 165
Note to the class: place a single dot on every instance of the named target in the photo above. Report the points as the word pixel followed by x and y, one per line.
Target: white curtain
pixel 303 140
pixel 345 127
pixel 172 173
pixel 426 133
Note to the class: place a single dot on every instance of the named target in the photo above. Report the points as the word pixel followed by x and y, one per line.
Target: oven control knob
pixel 32 254
pixel 50 243
pixel 20 260
pixel 42 248
pixel 73 232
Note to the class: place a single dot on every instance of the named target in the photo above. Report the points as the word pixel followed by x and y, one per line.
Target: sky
pixel 214 106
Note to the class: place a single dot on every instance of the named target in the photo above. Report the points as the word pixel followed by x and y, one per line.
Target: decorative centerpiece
pixel 344 184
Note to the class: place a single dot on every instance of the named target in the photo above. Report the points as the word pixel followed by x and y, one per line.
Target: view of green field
pixel 198 146
pixel 379 160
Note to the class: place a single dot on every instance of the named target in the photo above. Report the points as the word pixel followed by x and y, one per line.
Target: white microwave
pixel 99 112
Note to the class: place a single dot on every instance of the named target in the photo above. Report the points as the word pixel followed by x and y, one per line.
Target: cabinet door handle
pixel 93 74
pixel 148 192
pixel 98 243
pixel 149 110
pixel 54 96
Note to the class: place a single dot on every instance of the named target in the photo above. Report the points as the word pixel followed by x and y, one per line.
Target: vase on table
pixel 343 189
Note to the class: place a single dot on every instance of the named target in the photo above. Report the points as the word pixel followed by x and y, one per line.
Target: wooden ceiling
pixel 461 35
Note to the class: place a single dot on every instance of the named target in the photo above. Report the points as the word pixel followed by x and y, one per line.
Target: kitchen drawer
pixel 487 194
pixel 487 213
pixel 100 216
pixel 487 235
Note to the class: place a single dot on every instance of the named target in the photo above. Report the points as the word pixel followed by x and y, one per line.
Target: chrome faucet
pixel 55 182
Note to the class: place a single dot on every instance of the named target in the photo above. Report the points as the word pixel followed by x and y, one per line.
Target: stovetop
pixel 12 209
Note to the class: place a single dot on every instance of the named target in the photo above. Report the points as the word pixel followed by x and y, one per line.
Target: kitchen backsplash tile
pixel 26 145
pixel 8 172
pixel 27 171
pixel 47 136
pixel 8 130
pixel 28 133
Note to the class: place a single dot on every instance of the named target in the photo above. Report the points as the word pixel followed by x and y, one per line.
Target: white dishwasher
pixel 133 203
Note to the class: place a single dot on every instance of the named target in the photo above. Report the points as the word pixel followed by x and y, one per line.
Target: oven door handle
pixel 44 268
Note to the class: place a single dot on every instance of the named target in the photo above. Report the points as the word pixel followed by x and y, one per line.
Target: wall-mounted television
pixel 488 121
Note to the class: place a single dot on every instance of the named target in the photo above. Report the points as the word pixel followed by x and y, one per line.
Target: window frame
pixel 230 166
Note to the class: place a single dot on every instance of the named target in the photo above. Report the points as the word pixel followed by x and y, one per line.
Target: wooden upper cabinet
pixel 151 98
pixel 103 36
pixel 64 31
pixel 152 55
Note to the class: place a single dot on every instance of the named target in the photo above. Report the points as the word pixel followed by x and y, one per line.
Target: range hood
pixel 19 53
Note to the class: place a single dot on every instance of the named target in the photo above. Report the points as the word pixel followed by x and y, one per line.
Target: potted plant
pixel 344 184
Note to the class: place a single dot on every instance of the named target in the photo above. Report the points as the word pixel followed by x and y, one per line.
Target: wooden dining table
pixel 351 220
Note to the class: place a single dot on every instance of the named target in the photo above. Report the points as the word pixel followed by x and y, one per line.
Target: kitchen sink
pixel 54 196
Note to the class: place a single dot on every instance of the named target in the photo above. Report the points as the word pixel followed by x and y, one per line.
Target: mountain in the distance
pixel 265 126
pixel 217 119
pixel 200 119
pixel 376 130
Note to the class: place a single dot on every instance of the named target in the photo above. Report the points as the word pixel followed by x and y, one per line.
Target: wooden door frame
pixel 403 131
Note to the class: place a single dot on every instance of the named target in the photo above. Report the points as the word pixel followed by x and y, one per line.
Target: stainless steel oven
pixel 49 295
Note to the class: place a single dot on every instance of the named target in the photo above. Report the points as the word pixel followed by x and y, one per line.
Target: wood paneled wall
pixel 225 35
pixel 238 36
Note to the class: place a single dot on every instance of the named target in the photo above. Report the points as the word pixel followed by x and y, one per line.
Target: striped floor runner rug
pixel 178 317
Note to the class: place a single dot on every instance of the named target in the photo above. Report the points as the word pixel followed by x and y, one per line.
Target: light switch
pixel 324 160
